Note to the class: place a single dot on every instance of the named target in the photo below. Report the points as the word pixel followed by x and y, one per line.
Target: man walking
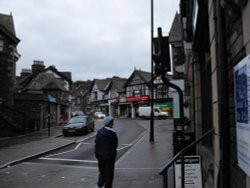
pixel 105 150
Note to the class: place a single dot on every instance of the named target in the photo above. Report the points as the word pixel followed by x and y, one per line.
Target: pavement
pixel 138 168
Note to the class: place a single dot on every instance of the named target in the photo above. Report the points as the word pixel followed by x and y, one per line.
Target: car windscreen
pixel 78 119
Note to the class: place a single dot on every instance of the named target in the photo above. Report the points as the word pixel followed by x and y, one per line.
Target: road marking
pixel 76 148
pixel 71 160
pixel 86 138
pixel 126 146
pixel 86 143
pixel 60 153
pixel 78 145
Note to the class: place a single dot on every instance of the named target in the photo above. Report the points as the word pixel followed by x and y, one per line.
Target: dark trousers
pixel 106 173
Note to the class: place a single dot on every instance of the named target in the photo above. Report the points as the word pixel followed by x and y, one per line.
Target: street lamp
pixel 151 139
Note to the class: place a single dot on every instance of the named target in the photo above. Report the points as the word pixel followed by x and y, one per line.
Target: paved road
pixel 82 153
pixel 137 168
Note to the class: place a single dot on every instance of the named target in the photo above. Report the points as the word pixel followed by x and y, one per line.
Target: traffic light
pixel 161 54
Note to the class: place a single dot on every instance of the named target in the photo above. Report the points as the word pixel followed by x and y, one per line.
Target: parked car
pixel 79 125
pixel 99 115
pixel 145 112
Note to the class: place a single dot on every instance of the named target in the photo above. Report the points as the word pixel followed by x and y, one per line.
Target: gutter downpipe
pixel 224 127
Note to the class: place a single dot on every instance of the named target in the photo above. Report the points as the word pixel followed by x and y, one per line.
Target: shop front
pixel 128 106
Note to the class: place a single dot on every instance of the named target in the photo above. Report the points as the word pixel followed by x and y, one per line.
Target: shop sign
pixel 122 99
pixel 242 112
pixel 52 99
pixel 192 172
pixel 137 98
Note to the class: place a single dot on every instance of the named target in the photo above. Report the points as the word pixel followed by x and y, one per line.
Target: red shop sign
pixel 137 98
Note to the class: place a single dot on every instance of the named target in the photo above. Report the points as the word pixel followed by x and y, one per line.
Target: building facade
pixel 217 38
pixel 138 93
pixel 104 93
pixel 8 58
pixel 44 94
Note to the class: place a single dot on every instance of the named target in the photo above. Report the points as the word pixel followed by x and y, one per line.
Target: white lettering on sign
pixel 192 171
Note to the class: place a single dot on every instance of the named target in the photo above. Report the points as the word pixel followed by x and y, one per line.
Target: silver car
pixel 99 115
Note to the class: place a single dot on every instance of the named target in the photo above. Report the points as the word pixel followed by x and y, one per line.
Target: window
pixel 95 95
pixel 1 45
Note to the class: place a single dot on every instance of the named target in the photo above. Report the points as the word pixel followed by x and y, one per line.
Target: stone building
pixel 41 91
pixel 11 120
pixel 8 59
pixel 217 38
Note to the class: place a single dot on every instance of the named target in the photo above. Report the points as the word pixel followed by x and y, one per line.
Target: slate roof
pixel 79 91
pixel 175 34
pixel 45 81
pixel 119 83
pixel 7 22
pixel 7 27
pixel 145 76
pixel 66 75
pixel 102 83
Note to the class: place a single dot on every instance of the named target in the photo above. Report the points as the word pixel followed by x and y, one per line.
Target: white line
pixel 127 144
pixel 123 147
pixel 76 148
pixel 78 145
pixel 72 160
pixel 86 143
pixel 139 168
pixel 60 153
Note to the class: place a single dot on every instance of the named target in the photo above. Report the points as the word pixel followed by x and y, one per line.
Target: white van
pixel 145 112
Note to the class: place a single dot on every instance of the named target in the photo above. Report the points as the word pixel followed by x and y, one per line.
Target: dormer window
pixel 1 45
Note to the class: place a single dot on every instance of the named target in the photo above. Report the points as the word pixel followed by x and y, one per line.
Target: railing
pixel 180 155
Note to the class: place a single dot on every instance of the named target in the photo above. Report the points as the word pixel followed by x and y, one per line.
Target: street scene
pixel 125 93
pixel 75 165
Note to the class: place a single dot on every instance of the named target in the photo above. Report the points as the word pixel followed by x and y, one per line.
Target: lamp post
pixel 151 139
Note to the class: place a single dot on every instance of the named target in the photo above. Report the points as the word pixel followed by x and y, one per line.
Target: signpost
pixel 50 100
pixel 192 171
pixel 242 112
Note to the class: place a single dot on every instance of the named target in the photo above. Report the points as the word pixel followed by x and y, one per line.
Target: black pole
pixel 151 135
pixel 224 127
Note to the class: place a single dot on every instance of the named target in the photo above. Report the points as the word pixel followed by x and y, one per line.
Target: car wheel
pixel 65 134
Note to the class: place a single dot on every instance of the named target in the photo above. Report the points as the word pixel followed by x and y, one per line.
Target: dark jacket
pixel 105 144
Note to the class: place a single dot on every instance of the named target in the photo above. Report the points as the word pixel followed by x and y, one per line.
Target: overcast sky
pixel 90 38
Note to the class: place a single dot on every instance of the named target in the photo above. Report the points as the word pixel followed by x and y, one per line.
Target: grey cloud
pixel 90 38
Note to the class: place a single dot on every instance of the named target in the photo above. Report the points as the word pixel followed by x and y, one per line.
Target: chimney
pixel 37 67
pixel 25 72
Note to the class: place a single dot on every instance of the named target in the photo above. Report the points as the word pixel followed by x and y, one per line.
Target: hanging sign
pixel 242 112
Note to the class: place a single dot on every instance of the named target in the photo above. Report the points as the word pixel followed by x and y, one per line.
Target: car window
pixel 78 119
